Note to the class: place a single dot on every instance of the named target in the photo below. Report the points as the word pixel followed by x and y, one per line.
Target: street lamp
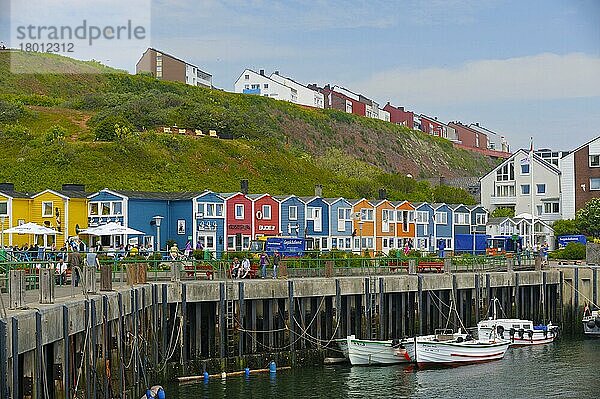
pixel 360 226
pixel 157 221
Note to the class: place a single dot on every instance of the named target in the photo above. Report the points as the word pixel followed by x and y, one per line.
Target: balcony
pixel 503 200
pixel 251 91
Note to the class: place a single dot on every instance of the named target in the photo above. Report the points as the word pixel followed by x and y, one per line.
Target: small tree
pixel 113 128
pixel 565 227
pixel 587 219
pixel 503 212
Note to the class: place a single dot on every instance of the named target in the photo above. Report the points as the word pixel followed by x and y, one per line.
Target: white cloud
pixel 538 77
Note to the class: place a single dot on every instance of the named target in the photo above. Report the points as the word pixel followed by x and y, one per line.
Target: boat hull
pixel 343 344
pixel 430 353
pixel 524 334
pixel 591 325
pixel 370 352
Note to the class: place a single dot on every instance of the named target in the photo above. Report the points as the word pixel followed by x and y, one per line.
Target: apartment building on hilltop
pixel 164 66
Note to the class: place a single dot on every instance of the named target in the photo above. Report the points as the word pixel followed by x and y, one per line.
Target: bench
pixel 395 265
pixel 203 268
pixel 432 266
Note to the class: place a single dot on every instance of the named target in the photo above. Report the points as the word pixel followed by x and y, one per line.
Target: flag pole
pixel 531 191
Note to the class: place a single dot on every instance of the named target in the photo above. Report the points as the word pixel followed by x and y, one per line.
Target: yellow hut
pixel 14 210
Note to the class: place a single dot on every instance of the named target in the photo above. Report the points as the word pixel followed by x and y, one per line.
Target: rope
pixel 579 292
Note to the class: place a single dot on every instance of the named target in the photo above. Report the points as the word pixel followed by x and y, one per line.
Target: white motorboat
pixel 591 323
pixel 343 344
pixel 372 352
pixel 446 348
pixel 520 332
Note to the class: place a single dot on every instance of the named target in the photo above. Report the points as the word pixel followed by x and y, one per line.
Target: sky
pixel 522 69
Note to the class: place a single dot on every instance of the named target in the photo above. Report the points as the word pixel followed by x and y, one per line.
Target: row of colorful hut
pixel 229 222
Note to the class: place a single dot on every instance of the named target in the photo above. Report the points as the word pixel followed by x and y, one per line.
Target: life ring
pixel 591 324
pixel 259 215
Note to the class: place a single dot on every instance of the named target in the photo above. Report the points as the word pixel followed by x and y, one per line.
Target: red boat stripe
pixel 493 354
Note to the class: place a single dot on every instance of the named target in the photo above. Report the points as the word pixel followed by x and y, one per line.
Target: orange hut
pixel 385 216
pixel 405 224
pixel 364 225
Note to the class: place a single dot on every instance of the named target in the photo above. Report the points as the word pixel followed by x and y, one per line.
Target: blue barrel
pixel 272 367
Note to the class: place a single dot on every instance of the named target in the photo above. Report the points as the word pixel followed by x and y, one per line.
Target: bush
pixel 113 128
pixel 11 112
pixel 573 251
pixel 55 133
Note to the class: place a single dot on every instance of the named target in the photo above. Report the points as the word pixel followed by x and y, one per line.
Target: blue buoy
pixel 148 394
pixel 272 367
pixel 247 372
pixel 161 394
pixel 205 376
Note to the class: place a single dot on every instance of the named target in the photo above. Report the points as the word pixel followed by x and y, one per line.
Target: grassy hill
pixel 49 125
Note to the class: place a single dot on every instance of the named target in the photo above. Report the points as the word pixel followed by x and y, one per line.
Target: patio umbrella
pixel 32 228
pixel 111 229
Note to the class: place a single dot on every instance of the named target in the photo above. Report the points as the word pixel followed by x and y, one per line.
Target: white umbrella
pixel 32 228
pixel 111 229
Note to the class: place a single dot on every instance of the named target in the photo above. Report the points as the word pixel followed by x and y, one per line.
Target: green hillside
pixel 50 124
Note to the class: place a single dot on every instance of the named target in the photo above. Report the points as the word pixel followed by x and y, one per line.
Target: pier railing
pixel 161 266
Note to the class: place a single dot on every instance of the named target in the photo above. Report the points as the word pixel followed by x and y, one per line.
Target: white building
pixel 521 226
pixel 277 87
pixel 551 156
pixel 509 185
pixel 304 95
pixel 384 115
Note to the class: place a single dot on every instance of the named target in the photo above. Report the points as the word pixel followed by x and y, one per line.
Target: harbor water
pixel 569 368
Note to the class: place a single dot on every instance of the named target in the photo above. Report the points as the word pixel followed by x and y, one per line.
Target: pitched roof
pixel 537 158
pixel 14 194
pixel 178 59
pixel 149 195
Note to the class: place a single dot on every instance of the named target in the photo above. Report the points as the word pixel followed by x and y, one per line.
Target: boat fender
pixel 591 324
pixel 511 332
pixel 459 339
pixel 500 330
pixel 530 334
pixel 161 393
pixel 545 334
pixel 395 342
pixel 597 321
pixel 469 337
pixel 521 333
pixel 148 394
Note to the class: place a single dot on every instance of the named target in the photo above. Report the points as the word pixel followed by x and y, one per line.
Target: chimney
pixel 382 194
pixel 244 186
pixel 276 72
pixel 318 190
pixel 262 72
pixel 401 109
pixel 73 187
pixel 477 124
pixel 7 187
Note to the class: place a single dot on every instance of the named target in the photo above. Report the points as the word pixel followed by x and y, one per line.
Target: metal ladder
pixel 373 306
pixel 230 322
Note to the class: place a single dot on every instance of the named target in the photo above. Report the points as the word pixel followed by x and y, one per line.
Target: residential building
pixel 265 211
pixel 292 215
pixel 14 211
pixel 164 66
pixel 510 185
pixel 496 141
pixel 303 94
pixel 430 125
pixel 505 226
pixel 580 179
pixel 384 115
pixel 469 137
pixel 340 225
pixel 399 116
pixel 342 99
pixel 551 156
pixel 209 222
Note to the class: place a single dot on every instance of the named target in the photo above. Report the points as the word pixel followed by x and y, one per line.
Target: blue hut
pixel 425 227
pixel 209 222
pixel 340 225
pixel 317 223
pixel 443 218
pixel 293 215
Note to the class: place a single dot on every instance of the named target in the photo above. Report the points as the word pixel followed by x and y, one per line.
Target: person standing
pixel 188 249
pixel 91 259
pixel 74 260
pixel 276 260
pixel 263 261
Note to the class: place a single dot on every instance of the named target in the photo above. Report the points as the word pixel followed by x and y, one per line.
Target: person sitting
pixel 174 251
pixel 235 268
pixel 61 270
pixel 245 267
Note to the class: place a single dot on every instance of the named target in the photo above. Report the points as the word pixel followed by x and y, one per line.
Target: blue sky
pixel 519 68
